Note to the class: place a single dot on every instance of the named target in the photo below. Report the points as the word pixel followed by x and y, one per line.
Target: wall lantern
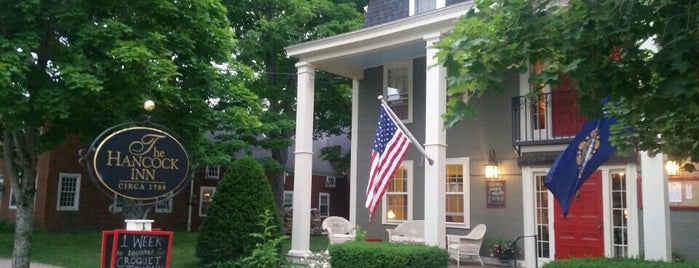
pixel 673 168
pixel 492 171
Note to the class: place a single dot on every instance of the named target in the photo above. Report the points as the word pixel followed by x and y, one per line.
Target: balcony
pixel 545 119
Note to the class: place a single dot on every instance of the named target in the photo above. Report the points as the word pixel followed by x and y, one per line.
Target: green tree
pixel 242 195
pixel 602 45
pixel 265 27
pixel 78 67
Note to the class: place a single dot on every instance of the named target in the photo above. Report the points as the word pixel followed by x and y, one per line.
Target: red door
pixel 566 118
pixel 581 234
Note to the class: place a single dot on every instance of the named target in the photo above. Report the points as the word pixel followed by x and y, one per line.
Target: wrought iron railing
pixel 546 118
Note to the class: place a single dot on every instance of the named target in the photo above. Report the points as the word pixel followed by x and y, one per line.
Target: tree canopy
pixel 265 28
pixel 78 67
pixel 642 54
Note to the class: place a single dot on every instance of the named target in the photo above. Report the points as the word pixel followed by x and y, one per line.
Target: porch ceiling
pixel 350 53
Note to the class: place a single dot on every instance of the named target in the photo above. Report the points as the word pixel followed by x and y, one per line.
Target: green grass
pixel 82 249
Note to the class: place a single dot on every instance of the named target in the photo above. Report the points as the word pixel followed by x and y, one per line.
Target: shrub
pixel 386 255
pixel 266 253
pixel 613 262
pixel 242 195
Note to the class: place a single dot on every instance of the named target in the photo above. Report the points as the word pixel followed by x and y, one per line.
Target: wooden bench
pixel 409 232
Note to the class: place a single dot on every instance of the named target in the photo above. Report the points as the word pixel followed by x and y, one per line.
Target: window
pixel 206 194
pixel 620 214
pixel 421 6
pixel 330 182
pixel 543 213
pixel 118 204
pixel 68 192
pixel 212 172
pixel 324 204
pixel 398 200
pixel 398 89
pixel 164 204
pixel 288 199
pixel 456 190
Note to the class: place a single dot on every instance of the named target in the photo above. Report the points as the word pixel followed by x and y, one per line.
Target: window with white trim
pixel 457 192
pixel 206 194
pixel 398 200
pixel 544 212
pixel 422 6
pixel 164 204
pixel 212 172
pixel 330 181
pixel 324 204
pixel 68 192
pixel 288 199
pixel 620 215
pixel 398 89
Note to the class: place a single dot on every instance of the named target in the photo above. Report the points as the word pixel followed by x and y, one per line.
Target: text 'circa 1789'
pixel 141 163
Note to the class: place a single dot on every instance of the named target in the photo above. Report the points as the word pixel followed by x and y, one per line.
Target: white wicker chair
pixel 466 245
pixel 339 230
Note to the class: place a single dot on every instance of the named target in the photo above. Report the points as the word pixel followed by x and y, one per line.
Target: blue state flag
pixel 588 150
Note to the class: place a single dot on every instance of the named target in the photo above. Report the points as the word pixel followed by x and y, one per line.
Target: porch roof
pixel 350 53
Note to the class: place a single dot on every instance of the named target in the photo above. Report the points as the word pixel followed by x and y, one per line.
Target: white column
pixel 301 228
pixel 353 153
pixel 435 146
pixel 656 210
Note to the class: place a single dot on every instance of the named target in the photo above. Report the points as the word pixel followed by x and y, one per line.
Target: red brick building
pixel 67 198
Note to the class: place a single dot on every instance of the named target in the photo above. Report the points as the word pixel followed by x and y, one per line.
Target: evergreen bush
pixel 242 195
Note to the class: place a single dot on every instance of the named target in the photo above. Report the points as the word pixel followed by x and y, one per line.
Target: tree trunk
pixel 24 228
pixel 278 179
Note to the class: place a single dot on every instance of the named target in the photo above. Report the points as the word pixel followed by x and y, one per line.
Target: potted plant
pixel 502 249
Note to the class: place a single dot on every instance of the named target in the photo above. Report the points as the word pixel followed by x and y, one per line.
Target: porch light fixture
pixel 673 168
pixel 492 171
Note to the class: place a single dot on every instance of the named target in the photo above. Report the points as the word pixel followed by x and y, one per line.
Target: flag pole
pixel 405 130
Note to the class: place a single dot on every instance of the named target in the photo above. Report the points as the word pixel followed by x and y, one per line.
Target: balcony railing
pixel 547 118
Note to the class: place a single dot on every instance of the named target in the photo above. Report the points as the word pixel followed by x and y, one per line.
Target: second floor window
pixel 398 89
pixel 212 172
pixel 422 6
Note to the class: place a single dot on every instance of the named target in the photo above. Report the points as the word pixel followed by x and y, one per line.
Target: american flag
pixel 390 146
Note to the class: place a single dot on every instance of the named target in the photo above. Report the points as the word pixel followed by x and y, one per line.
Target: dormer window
pixel 422 6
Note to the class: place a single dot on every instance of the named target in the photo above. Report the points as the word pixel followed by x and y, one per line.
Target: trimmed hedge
pixel 386 255
pixel 614 262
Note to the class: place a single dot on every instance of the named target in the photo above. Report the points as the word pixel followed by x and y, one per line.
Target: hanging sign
pixel 141 163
